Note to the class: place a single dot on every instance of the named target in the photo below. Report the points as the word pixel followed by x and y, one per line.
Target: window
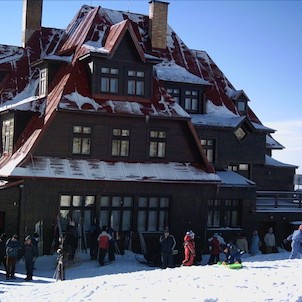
pixel 8 135
pixel 223 213
pixel 120 142
pixel 208 146
pixel 81 140
pixel 109 80
pixel 152 214
pixel 157 144
pixel 241 106
pixel 116 212
pixel 136 84
pixel 43 82
pixel 191 100
pixel 175 93
pixel 77 208
pixel 240 133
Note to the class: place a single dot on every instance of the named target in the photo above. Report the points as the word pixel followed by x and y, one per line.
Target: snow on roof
pixel 170 71
pixel 271 143
pixel 24 100
pixel 230 178
pixel 219 116
pixel 269 161
pixel 118 171
pixel 122 107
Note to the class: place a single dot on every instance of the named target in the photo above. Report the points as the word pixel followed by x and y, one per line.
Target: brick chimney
pixel 158 23
pixel 32 17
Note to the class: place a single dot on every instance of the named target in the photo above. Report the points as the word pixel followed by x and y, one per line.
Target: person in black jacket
pixel 167 245
pixel 30 253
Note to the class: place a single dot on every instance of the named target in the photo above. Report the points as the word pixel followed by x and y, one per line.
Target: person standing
pixel 94 233
pixel 35 242
pixel 242 243
pixel 111 248
pixel 296 245
pixel 269 241
pixel 2 250
pixel 189 249
pixel 255 244
pixel 215 250
pixel 30 253
pixel 103 240
pixel 12 253
pixel 167 245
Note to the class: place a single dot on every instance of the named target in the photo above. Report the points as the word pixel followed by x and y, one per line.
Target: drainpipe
pixel 19 209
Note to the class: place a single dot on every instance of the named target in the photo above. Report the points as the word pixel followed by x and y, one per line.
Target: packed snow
pixel 269 277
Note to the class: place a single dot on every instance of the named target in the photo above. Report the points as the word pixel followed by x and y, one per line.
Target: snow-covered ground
pixel 263 278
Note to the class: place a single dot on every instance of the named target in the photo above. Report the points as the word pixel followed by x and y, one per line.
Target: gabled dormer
pixel 48 68
pixel 119 69
pixel 241 100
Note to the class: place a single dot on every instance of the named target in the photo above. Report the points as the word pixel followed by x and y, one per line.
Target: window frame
pixel 224 213
pixel 157 144
pixel 122 141
pixel 8 129
pixel 81 137
pixel 209 149
pixel 138 82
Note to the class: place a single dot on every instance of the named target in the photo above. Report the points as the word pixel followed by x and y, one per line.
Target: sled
pixel 230 266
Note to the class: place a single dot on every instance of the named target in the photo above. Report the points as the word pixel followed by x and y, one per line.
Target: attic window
pixel 191 100
pixel 43 82
pixel 157 144
pixel 241 105
pixel 109 80
pixel 240 133
pixel 136 82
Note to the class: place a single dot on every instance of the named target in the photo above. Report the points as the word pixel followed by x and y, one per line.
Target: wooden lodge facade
pixel 112 119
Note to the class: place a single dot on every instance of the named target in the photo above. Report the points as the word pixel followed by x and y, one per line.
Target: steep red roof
pixel 95 29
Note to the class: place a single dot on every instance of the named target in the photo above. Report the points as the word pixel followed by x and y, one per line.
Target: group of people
pixel 11 250
pixel 232 250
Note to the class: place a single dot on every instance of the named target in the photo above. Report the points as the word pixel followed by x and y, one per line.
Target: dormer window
pixel 43 82
pixel 175 93
pixel 109 79
pixel 136 82
pixel 241 106
pixel 191 100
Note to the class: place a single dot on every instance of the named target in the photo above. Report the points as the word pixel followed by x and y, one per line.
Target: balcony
pixel 279 201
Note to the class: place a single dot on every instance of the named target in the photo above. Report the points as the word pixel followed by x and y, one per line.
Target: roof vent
pixel 32 17
pixel 158 23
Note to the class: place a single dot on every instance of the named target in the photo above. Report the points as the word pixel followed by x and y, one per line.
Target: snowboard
pixel 231 266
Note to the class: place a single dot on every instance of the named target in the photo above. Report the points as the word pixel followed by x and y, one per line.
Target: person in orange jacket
pixel 189 247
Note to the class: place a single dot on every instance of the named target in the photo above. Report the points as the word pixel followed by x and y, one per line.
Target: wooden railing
pixel 281 200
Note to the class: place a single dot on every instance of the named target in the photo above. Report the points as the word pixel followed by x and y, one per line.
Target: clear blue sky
pixel 257 45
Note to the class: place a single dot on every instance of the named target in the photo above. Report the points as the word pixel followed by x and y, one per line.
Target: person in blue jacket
pixel 296 245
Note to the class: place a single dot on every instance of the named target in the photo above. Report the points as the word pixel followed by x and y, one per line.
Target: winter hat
pixel 28 237
pixel 36 235
pixel 166 230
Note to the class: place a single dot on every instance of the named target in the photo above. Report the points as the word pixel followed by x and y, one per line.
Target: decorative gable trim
pixel 117 33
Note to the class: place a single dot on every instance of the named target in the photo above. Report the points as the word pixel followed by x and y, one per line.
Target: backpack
pixel 104 242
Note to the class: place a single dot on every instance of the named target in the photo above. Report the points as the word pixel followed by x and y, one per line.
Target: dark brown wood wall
pixel 231 151
pixel 57 139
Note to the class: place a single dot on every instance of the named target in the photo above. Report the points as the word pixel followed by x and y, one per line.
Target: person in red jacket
pixel 189 247
pixel 215 250
pixel 103 240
